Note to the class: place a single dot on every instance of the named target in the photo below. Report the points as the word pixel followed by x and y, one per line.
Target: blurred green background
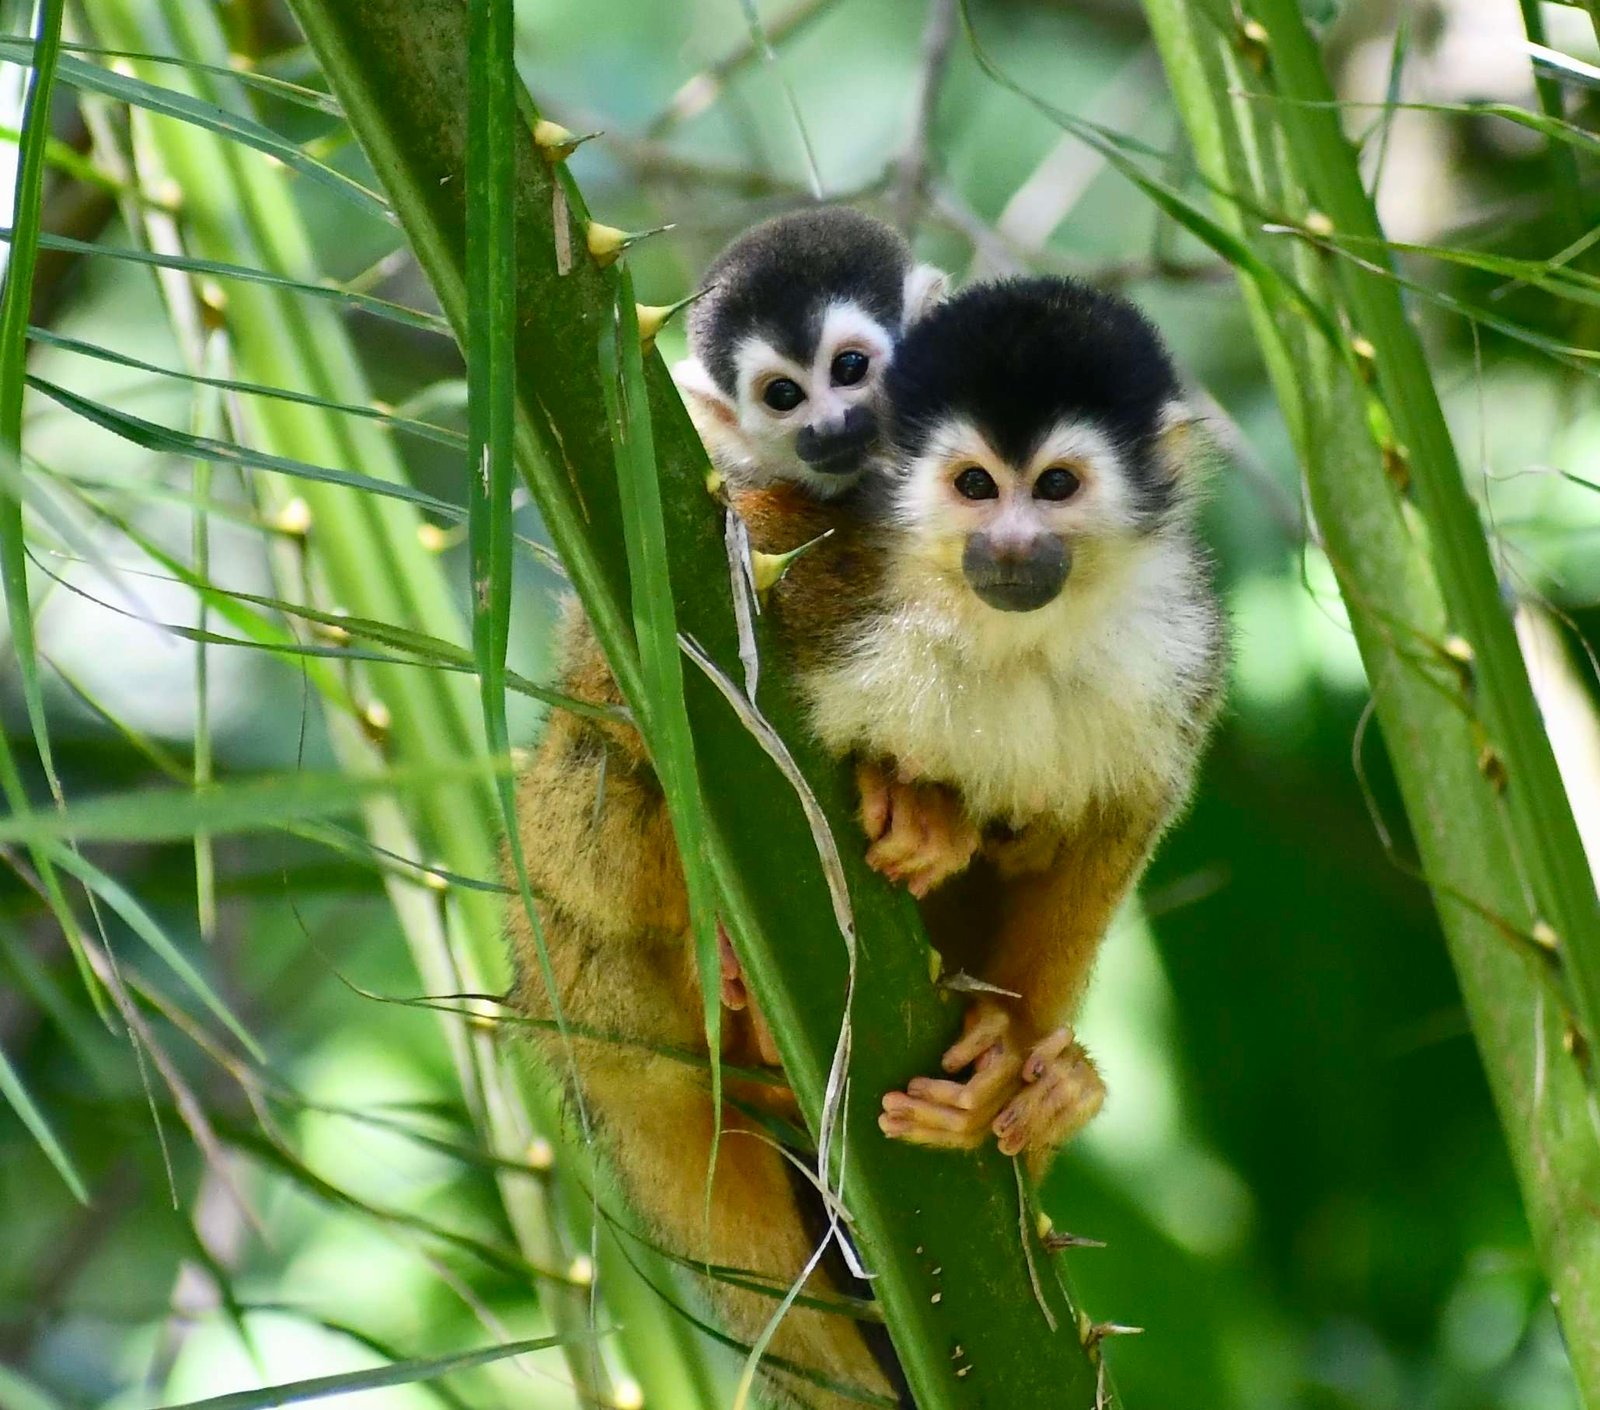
pixel 1299 1178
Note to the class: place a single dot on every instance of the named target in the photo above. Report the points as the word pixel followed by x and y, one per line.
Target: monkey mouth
pixel 849 461
pixel 841 448
pixel 1016 582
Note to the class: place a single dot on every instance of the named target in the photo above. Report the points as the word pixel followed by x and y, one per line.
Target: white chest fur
pixel 1031 713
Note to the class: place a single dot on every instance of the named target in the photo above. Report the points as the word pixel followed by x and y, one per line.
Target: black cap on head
pixel 778 276
pixel 1020 357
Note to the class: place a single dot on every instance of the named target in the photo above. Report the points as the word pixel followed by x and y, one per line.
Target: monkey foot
pixel 742 1039
pixel 1032 1098
pixel 1062 1091
pixel 918 833
pixel 933 1111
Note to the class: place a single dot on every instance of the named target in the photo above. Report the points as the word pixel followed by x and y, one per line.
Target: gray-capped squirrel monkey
pixel 789 349
pixel 1031 689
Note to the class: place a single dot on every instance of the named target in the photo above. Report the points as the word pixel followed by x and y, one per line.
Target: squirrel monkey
pixel 790 342
pixel 1031 688
pixel 789 350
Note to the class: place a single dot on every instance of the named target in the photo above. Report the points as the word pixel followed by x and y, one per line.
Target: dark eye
pixel 849 368
pixel 973 483
pixel 1056 483
pixel 783 394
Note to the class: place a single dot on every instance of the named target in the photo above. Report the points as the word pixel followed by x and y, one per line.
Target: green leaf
pixel 424 430
pixel 245 274
pixel 167 815
pixel 402 1374
pixel 123 88
pixel 17 1098
pixel 655 626
pixel 144 925
pixel 167 441
pixel 265 83
pixel 14 303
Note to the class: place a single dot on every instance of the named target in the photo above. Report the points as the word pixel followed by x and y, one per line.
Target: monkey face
pixel 1014 531
pixel 790 344
pixel 817 405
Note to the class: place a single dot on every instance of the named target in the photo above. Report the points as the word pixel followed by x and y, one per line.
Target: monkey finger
pixel 939 1089
pixel 914 1109
pixel 951 832
pixel 904 836
pixel 764 1044
pixel 986 1024
pixel 734 993
pixel 888 857
pixel 912 1117
pixel 984 1092
pixel 885 854
pixel 1044 1052
pixel 934 872
pixel 924 879
pixel 899 1129
pixel 875 800
pixel 1057 1107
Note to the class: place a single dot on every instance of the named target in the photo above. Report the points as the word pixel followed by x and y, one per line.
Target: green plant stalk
pixel 237 208
pixel 1516 1012
pixel 1593 7
pixel 655 626
pixel 941 1234
pixel 15 299
pixel 1548 846
pixel 1565 175
pixel 491 412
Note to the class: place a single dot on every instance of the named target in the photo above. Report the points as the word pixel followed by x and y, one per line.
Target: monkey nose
pixel 1016 577
pixel 838 447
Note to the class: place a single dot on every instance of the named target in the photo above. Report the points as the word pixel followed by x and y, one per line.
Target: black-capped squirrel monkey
pixel 1033 685
pixel 789 349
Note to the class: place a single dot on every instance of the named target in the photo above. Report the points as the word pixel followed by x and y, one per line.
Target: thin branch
pixel 701 91
pixel 911 171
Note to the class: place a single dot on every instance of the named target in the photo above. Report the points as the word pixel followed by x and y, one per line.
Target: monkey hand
pixel 749 1038
pixel 917 833
pixel 1032 1096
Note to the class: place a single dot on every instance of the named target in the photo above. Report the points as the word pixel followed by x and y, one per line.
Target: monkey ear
pixel 1183 450
pixel 708 404
pixel 925 286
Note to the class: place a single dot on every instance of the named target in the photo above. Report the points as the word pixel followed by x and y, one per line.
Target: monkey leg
pixel 918 833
